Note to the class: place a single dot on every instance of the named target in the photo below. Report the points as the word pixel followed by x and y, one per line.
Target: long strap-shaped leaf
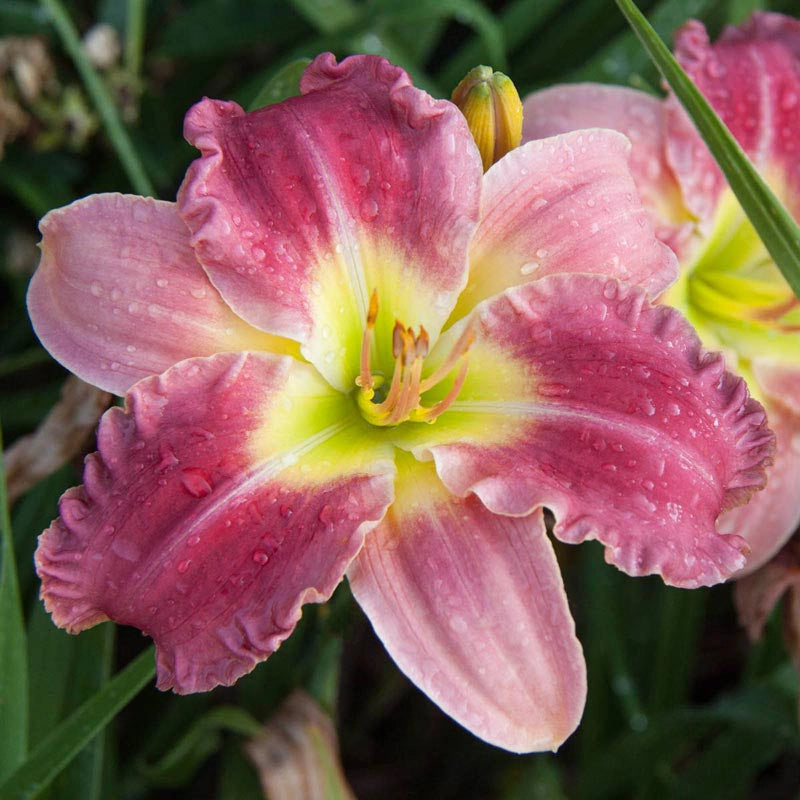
pixel 55 751
pixel 779 232
pixel 13 648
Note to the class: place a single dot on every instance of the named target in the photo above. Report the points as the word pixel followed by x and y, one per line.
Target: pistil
pixel 402 402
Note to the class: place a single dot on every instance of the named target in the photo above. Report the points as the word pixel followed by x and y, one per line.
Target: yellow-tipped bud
pixel 491 104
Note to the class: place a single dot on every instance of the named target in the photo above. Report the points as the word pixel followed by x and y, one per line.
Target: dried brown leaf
pixel 60 437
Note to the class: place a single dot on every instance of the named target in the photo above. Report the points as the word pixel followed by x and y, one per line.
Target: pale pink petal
pixel 210 514
pixel 564 204
pixel 780 381
pixel 119 295
pixel 751 76
pixel 472 608
pixel 300 210
pixel 757 595
pixel 590 401
pixel 640 116
pixel 772 515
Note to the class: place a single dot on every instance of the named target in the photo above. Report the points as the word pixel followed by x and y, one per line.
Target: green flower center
pixel 735 296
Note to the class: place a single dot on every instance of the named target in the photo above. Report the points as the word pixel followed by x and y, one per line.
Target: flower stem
pixel 134 37
pixel 100 97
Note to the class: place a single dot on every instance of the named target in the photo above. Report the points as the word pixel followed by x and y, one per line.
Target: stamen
pixel 364 380
pixel 422 414
pixel 402 401
pixel 443 370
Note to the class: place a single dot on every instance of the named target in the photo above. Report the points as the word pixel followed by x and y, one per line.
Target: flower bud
pixel 491 105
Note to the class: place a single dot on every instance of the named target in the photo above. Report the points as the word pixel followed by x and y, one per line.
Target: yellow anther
pixel 490 102
pixel 372 314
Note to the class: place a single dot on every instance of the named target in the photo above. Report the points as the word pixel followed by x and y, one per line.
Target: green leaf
pixel 55 751
pixel 328 16
pixel 519 22
pixel 779 232
pixel 91 669
pixel 623 57
pixel 467 12
pixel 284 83
pixel 13 649
pixel 203 738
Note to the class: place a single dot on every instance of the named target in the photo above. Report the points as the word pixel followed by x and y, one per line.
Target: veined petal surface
pixel 750 76
pixel 584 398
pixel 300 210
pixel 231 490
pixel 559 205
pixel 640 116
pixel 472 608
pixel 119 294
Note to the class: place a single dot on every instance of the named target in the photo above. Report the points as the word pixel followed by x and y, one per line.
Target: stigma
pixel 400 399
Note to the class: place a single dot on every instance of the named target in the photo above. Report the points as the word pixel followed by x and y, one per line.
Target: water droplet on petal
pixel 196 481
pixel 368 209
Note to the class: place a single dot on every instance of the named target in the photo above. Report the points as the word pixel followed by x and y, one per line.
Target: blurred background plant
pixel 92 98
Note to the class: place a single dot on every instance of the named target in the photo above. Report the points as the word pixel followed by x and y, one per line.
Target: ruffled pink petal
pixel 119 295
pixel 607 410
pixel 210 514
pixel 639 116
pixel 300 210
pixel 751 76
pixel 772 515
pixel 564 204
pixel 472 608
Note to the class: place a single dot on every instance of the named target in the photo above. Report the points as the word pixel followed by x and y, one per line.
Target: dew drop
pixel 184 565
pixel 368 209
pixel 529 268
pixel 196 481
pixel 260 557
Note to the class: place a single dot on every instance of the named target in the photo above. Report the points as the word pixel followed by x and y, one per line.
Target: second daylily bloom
pixel 347 351
pixel 729 287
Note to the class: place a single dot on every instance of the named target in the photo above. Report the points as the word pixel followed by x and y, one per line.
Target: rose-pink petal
pixel 751 76
pixel 564 204
pixel 119 294
pixel 640 116
pixel 472 608
pixel 615 418
pixel 363 182
pixel 193 525
pixel 772 515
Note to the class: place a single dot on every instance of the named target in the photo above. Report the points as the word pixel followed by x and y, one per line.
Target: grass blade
pixel 779 232
pixel 13 649
pixel 55 751
pixel 100 97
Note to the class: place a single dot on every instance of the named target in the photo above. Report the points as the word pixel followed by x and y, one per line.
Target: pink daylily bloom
pixel 347 351
pixel 729 287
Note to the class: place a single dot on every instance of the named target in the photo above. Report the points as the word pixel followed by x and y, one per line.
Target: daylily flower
pixel 729 287
pixel 376 361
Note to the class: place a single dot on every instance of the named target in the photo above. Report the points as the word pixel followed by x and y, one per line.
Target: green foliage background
pixel 679 705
